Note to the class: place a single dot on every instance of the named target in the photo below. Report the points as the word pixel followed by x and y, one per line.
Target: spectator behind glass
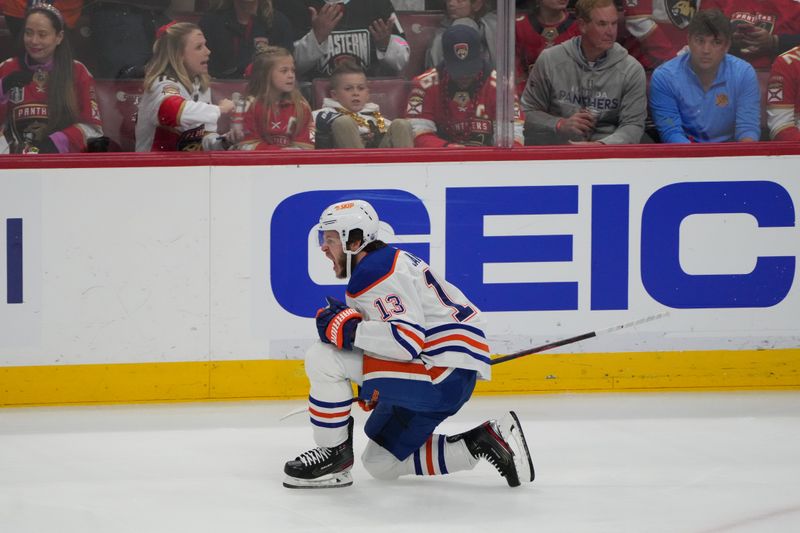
pixel 660 27
pixel 454 104
pixel 783 97
pixel 548 23
pixel 366 31
pixel 762 28
pixel 587 89
pixel 123 32
pixel 349 120
pixel 49 98
pixel 15 10
pixel 236 29
pixel 277 116
pixel 175 111
pixel 474 13
pixel 706 95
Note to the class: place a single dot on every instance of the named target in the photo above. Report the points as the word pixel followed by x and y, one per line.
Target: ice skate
pixel 503 446
pixel 511 431
pixel 322 468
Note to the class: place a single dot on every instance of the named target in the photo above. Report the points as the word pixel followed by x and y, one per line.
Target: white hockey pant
pixel 330 372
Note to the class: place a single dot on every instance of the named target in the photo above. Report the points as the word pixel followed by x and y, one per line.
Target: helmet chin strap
pixel 351 254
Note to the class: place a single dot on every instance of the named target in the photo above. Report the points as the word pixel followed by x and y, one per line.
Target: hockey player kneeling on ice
pixel 414 345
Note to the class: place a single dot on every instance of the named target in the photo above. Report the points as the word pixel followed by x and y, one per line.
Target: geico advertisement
pixel 222 263
pixel 550 250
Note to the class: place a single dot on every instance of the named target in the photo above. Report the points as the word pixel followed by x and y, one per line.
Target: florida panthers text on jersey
pixel 26 110
pixel 777 17
pixel 783 97
pixel 417 327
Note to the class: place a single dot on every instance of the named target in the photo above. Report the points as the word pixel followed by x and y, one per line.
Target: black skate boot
pixel 322 468
pixel 503 445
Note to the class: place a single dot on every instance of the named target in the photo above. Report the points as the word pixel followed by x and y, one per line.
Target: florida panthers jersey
pixel 442 114
pixel 778 17
pixel 26 110
pixel 783 97
pixel 276 127
pixel 660 26
pixel 417 327
pixel 532 37
pixel 171 118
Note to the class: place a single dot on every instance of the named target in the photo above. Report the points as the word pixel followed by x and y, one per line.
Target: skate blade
pixel 330 481
pixel 511 431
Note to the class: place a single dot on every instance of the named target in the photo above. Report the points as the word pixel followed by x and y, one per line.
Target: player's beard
pixel 341 262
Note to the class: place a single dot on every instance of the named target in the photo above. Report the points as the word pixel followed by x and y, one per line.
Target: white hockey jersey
pixel 170 118
pixel 412 315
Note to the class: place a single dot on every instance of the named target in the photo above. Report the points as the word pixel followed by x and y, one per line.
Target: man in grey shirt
pixel 587 89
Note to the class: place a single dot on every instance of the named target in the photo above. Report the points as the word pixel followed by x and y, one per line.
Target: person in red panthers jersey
pixel 456 106
pixel 547 23
pixel 48 99
pixel 762 29
pixel 660 27
pixel 277 116
pixel 783 97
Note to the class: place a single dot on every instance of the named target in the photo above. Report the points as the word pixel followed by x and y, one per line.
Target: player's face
pixel 282 76
pixel 351 91
pixel 40 38
pixel 196 54
pixel 600 33
pixel 331 245
pixel 707 52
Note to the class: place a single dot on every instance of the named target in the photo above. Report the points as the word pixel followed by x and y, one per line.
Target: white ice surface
pixel 704 462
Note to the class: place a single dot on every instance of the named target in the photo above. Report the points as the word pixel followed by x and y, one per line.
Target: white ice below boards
pixel 677 462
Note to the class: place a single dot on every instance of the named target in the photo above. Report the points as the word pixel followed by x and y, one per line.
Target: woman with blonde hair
pixel 237 29
pixel 49 98
pixel 277 116
pixel 175 112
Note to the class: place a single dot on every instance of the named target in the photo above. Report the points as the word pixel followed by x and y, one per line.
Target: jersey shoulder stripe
pixel 373 269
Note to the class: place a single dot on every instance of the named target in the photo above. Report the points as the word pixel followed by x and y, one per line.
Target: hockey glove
pixel 20 78
pixel 336 324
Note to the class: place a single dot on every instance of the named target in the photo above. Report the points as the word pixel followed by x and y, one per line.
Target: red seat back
pixel 419 27
pixel 391 94
pixel 119 101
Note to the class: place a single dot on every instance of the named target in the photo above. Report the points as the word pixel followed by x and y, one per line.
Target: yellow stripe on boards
pixel 282 379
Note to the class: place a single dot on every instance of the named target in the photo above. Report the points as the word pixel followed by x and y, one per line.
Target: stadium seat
pixel 391 94
pixel 118 101
pixel 419 27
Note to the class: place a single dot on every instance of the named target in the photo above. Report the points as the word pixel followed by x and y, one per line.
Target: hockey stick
pixel 577 338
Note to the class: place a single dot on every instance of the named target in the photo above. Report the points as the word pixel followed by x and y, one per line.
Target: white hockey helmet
pixel 344 217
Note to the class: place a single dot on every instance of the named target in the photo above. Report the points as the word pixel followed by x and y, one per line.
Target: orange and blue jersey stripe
pixel 429 460
pixel 456 338
pixel 329 414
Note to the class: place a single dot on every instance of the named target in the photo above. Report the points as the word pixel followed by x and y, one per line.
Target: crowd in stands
pixel 116 75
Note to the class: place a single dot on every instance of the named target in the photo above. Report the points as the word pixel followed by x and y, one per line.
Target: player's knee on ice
pixel 380 463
